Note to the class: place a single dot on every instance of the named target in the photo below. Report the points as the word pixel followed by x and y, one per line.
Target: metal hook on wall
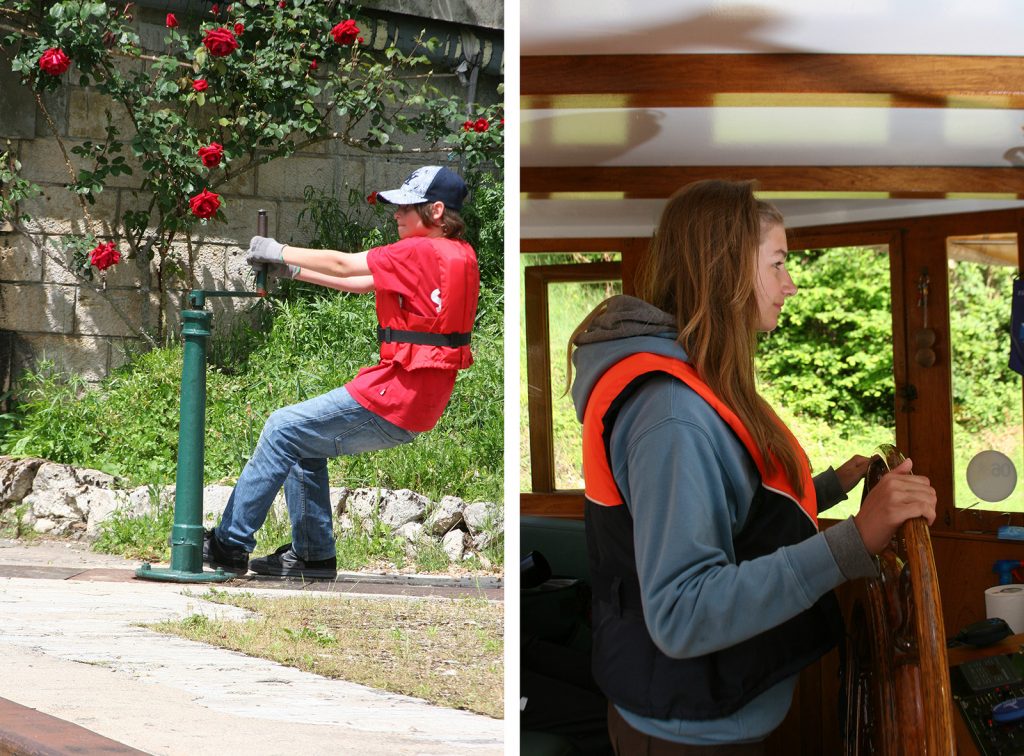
pixel 925 337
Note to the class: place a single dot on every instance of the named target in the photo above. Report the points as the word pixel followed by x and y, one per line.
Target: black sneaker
pixel 286 563
pixel 228 558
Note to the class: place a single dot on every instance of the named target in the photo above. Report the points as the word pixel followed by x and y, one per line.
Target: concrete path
pixel 73 649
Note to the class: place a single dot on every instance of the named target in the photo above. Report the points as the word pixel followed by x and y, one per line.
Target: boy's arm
pixel 327 262
pixel 352 284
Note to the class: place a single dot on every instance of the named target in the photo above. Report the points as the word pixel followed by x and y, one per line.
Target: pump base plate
pixel 167 575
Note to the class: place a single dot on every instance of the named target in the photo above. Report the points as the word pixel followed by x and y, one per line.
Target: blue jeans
pixel 292 451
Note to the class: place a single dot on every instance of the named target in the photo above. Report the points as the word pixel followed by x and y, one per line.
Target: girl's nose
pixel 788 287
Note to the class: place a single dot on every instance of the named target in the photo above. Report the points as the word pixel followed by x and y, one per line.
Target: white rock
pixel 16 476
pixel 215 499
pixel 99 504
pixel 59 505
pixel 364 503
pixel 52 476
pixel 447 515
pixel 483 514
pixel 338 498
pixel 44 526
pixel 401 507
pixel 482 540
pixel 454 544
pixel 412 532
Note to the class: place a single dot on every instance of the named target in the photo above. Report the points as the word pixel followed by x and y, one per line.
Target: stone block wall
pixel 89 330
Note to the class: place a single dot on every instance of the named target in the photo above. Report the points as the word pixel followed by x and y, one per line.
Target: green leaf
pixel 200 98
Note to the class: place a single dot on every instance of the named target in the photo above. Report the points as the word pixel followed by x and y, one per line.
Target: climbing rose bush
pixel 299 75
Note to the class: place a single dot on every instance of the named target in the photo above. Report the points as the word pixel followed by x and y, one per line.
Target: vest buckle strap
pixel 390 335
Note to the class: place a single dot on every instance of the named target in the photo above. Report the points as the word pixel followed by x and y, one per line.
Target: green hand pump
pixel 187 532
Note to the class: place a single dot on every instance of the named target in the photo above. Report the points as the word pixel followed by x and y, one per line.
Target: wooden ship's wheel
pixel 897 688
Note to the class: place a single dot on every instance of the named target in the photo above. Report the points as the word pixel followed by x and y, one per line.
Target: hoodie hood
pixel 622 326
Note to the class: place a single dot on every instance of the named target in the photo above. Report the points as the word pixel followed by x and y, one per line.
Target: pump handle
pixel 261 270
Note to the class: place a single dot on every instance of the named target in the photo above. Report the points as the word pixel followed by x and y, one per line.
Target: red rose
pixel 481 125
pixel 200 85
pixel 313 65
pixel 467 126
pixel 220 42
pixel 211 155
pixel 205 204
pixel 215 9
pixel 54 61
pixel 360 40
pixel 171 21
pixel 501 125
pixel 345 33
pixel 281 4
pixel 371 198
pixel 104 255
pixel 239 28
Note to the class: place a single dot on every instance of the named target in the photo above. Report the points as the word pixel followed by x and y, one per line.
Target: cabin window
pixel 986 392
pixel 828 367
pixel 558 290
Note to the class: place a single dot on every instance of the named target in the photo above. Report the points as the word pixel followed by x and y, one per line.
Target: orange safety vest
pixel 600 486
pixel 627 665
pixel 439 341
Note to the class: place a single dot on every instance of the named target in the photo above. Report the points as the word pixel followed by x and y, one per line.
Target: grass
pixel 144 536
pixel 447 652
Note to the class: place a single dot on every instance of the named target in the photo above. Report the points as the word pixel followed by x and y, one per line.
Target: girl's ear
pixel 437 211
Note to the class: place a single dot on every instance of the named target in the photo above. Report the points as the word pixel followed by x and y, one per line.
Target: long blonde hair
pixel 702 269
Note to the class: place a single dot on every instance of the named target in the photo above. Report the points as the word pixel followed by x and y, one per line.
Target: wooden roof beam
pixel 659 182
pixel 773 79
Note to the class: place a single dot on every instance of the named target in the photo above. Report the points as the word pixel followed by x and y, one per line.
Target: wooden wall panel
pixel 964 565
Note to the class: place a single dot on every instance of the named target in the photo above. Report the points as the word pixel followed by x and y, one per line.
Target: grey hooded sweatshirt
pixel 688 483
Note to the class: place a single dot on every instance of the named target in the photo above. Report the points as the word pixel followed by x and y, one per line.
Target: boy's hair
pixel 451 223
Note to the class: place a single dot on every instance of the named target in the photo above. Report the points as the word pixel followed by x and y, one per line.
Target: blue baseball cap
pixel 431 183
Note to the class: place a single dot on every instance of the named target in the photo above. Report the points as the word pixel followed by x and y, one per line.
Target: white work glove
pixel 281 270
pixel 263 249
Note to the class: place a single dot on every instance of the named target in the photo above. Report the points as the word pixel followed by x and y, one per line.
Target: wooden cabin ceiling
pixel 840 115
